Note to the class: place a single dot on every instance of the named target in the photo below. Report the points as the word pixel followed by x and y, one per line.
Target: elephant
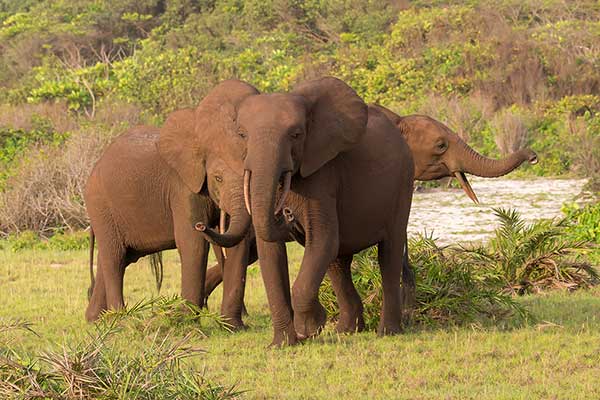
pixel 436 152
pixel 346 177
pixel 149 188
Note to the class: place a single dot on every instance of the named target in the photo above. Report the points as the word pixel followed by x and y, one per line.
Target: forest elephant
pixel 149 188
pixel 437 152
pixel 347 185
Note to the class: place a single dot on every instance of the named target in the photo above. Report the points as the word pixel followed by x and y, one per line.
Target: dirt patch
pixel 452 217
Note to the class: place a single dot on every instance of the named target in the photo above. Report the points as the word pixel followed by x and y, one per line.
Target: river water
pixel 451 217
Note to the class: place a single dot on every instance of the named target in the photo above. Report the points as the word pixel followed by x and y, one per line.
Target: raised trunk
pixel 476 164
pixel 238 226
pixel 263 194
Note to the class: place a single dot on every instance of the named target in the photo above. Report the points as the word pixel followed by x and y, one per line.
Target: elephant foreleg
pixel 234 284
pixel 274 270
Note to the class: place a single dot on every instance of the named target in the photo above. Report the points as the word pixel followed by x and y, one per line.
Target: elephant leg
pixel 193 251
pixel 274 270
pixel 408 290
pixel 351 308
pixel 111 268
pixel 309 314
pixel 234 284
pixel 97 302
pixel 390 264
pixel 214 275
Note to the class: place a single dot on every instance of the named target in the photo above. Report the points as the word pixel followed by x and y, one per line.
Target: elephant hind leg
pixel 390 265
pixel 97 303
pixel 408 290
pixel 351 308
pixel 111 265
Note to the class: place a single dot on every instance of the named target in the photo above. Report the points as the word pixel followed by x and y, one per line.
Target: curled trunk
pixel 263 194
pixel 238 226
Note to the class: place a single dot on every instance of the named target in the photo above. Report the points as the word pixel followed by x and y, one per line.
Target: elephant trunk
pixel 238 225
pixel 268 223
pixel 476 164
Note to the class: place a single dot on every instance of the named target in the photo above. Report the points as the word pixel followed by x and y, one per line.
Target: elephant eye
pixel 296 134
pixel 218 178
pixel 441 146
pixel 241 133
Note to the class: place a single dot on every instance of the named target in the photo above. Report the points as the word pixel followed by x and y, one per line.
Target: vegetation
pixel 466 284
pixel 75 73
pixel 94 368
pixel 553 357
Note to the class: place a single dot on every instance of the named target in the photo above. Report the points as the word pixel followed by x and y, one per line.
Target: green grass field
pixel 556 357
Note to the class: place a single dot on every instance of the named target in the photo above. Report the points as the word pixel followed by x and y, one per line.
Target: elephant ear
pixel 188 135
pixel 337 121
pixel 398 121
pixel 178 146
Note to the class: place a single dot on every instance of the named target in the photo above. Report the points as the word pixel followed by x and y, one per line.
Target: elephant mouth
pixel 466 186
pixel 533 159
pixel 284 185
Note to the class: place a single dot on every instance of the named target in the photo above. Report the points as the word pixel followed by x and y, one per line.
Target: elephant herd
pixel 247 172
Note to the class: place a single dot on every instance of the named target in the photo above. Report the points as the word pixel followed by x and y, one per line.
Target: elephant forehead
pixel 272 110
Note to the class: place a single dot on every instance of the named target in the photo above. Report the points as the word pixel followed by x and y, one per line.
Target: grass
pixel 557 357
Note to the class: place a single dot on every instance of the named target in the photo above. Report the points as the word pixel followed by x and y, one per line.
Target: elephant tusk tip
pixel 200 227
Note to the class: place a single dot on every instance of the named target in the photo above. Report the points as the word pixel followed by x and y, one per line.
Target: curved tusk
pixel 464 183
pixel 247 190
pixel 222 221
pixel 287 183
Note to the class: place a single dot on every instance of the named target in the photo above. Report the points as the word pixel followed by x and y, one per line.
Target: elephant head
pixel 293 133
pixel 438 152
pixel 201 145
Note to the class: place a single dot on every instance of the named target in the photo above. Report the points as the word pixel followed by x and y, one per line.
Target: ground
pixel 555 357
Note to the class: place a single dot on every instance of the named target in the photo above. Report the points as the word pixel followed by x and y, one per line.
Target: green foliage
pixel 59 241
pixel 101 367
pixel 535 257
pixel 583 222
pixel 460 285
pixel 449 290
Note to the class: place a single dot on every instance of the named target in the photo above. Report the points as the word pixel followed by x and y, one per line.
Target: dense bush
pixel 502 76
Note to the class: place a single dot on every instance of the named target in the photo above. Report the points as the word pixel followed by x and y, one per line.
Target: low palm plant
pixel 99 368
pixel 534 257
pixel 465 284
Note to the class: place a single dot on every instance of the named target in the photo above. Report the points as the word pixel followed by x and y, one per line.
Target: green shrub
pixel 449 290
pixel 583 222
pixel 103 365
pixel 535 257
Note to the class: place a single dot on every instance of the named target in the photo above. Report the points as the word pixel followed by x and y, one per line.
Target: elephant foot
pixel 235 324
pixel 309 324
pixel 350 323
pixel 92 313
pixel 388 328
pixel 284 337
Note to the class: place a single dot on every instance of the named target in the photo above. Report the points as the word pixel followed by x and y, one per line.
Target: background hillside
pixel 74 73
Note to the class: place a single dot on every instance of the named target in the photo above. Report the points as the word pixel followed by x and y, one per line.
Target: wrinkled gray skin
pixel 437 152
pixel 150 188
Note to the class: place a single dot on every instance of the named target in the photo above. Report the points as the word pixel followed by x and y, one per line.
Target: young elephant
pixel 142 199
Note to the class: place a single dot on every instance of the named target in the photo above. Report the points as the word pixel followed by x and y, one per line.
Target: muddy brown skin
pixel 148 191
pixel 437 152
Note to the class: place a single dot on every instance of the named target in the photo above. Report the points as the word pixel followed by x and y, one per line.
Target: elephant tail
pixel 156 266
pixel 92 280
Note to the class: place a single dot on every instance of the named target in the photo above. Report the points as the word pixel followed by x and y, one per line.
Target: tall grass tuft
pixel 99 366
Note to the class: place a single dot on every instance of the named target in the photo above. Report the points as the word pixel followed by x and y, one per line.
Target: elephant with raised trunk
pixel 152 185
